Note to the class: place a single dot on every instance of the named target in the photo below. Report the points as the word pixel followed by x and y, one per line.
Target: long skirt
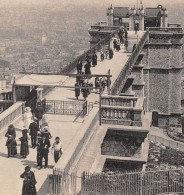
pixel 12 147
pixel 94 62
pixel 24 149
pixel 28 190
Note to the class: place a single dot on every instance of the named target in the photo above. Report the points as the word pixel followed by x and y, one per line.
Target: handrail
pixel 121 79
pixel 11 113
pixel 72 66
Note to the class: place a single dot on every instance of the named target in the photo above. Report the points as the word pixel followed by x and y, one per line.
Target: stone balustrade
pixel 118 100
pixel 12 113
pixel 122 110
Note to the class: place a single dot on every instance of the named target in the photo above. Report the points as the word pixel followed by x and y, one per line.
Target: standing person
pixel 77 90
pixel 57 149
pixel 44 122
pixel 84 91
pixel 38 151
pixel 11 142
pixel 46 132
pixel 115 44
pixel 29 182
pixel 87 67
pixel 94 59
pixel 79 67
pixel 110 53
pixel 33 131
pixel 126 33
pixel 44 146
pixel 39 111
pixel 102 55
pixel 27 117
pixel 126 45
pixel 136 28
pixel 134 47
pixel 24 149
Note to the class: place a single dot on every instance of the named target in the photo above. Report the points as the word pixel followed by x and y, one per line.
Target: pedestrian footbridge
pixel 75 130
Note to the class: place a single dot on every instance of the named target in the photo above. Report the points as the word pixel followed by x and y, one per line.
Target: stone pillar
pixel 164 73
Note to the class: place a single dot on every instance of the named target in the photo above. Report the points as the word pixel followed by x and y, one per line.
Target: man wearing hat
pixel 29 182
pixel 44 147
pixel 34 128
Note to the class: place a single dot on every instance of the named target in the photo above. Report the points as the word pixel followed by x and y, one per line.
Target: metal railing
pixel 125 72
pixel 9 115
pixel 73 65
pixel 66 107
pixel 135 183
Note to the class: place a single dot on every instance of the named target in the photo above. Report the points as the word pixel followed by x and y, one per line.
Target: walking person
pixel 84 91
pixel 29 182
pixel 39 111
pixel 11 142
pixel 115 44
pixel 126 33
pixel 87 67
pixel 38 157
pixel 57 149
pixel 126 45
pixel 33 131
pixel 77 90
pixel 110 54
pixel 79 67
pixel 102 55
pixel 24 149
pixel 27 117
pixel 44 146
pixel 46 132
pixel 94 59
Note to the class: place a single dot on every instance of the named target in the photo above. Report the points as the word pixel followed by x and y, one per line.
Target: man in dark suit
pixel 33 131
pixel 44 147
pixel 39 111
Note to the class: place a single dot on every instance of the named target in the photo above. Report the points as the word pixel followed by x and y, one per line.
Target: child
pixel 27 117
pixel 57 148
pixel 24 149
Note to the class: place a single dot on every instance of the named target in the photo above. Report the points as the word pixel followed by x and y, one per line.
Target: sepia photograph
pixel 91 97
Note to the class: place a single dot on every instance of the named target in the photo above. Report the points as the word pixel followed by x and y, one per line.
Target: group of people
pixel 35 125
pixel 123 39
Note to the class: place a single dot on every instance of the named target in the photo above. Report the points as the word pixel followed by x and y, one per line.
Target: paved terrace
pixel 69 131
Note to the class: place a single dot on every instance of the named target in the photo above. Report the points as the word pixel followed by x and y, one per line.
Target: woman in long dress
pixel 27 117
pixel 11 142
pixel 24 149
pixel 29 183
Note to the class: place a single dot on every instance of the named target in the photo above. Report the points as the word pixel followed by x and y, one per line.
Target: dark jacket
pixel 39 111
pixel 11 135
pixel 29 183
pixel 44 145
pixel 34 128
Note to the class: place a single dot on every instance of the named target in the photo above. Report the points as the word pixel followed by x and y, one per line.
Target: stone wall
pixel 159 56
pixel 159 90
pixel 125 146
pixel 175 90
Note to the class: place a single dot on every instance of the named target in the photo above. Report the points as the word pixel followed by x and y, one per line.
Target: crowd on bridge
pixel 84 84
pixel 36 129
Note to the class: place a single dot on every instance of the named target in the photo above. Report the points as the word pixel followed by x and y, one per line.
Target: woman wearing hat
pixel 11 142
pixel 29 182
pixel 27 117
